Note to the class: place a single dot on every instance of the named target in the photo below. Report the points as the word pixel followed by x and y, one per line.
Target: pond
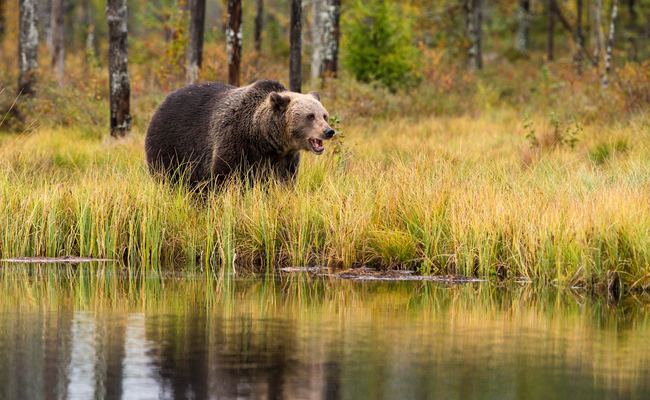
pixel 96 332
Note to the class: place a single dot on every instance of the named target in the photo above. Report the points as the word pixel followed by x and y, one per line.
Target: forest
pixel 505 139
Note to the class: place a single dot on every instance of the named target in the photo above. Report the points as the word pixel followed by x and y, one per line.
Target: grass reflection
pixel 302 336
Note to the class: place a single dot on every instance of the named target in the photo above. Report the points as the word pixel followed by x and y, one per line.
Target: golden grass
pixel 468 195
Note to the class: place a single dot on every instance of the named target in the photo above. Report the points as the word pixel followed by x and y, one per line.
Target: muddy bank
pixel 53 260
pixel 370 274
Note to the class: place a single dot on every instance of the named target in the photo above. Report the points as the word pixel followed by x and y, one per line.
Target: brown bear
pixel 206 133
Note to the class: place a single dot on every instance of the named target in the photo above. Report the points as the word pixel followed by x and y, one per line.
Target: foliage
pixel 607 150
pixel 379 44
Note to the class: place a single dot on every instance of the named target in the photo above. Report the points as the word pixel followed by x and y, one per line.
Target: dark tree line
pixel 602 46
pixel 325 36
pixel 53 27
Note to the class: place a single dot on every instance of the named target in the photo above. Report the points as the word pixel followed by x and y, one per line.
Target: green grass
pixel 444 195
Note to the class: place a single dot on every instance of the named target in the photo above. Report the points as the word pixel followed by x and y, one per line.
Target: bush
pixel 379 44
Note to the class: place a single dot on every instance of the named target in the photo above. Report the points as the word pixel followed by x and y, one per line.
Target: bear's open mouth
pixel 316 145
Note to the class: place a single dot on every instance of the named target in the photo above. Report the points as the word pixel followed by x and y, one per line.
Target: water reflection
pixel 89 334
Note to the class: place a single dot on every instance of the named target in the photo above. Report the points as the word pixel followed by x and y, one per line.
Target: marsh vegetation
pixel 524 168
pixel 543 196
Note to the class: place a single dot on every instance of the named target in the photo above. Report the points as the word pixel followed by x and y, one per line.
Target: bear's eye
pixel 325 117
pixel 311 117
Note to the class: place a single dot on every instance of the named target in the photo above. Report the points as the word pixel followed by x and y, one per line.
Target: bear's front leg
pixel 287 168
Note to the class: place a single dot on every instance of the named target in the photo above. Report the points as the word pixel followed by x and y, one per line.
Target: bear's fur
pixel 207 132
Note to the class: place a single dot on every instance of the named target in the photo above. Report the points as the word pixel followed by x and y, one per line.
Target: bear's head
pixel 306 120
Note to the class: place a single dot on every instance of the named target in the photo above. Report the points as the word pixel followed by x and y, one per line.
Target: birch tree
pixel 295 52
pixel 58 45
pixel 473 27
pixel 197 28
pixel 110 348
pixel 120 88
pixel 331 38
pixel 610 44
pixel 597 36
pixel 89 29
pixel 44 11
pixel 325 38
pixel 27 47
pixel 523 27
pixel 318 8
pixel 234 41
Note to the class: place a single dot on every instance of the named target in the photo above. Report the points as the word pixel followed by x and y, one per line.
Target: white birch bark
pixel 610 44
pixel 597 35
pixel 27 47
pixel 317 38
pixel 118 59
pixel 523 27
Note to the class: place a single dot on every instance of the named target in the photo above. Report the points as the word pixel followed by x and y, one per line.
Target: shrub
pixel 379 44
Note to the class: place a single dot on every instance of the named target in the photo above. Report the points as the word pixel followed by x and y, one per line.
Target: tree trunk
pixel 110 348
pixel 58 46
pixel 469 30
pixel 597 30
pixel 631 7
pixel 479 33
pixel 326 34
pixel 2 18
pixel 579 38
pixel 633 30
pixel 473 22
pixel 233 41
pixel 295 52
pixel 523 27
pixel 44 12
pixel 27 47
pixel 318 9
pixel 89 27
pixel 332 38
pixel 259 25
pixel 610 44
pixel 550 31
pixel 197 28
pixel 120 89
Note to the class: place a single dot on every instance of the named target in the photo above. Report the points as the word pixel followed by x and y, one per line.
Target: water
pixel 89 333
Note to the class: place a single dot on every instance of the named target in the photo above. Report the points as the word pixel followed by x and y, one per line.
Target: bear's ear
pixel 279 101
pixel 315 95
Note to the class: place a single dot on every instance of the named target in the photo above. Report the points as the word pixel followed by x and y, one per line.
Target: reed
pixel 553 194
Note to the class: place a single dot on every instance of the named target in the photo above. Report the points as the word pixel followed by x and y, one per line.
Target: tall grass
pixel 447 195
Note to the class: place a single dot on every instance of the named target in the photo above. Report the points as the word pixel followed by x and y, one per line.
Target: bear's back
pixel 194 122
pixel 178 137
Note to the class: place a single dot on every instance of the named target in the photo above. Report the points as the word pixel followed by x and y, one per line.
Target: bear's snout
pixel 329 133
